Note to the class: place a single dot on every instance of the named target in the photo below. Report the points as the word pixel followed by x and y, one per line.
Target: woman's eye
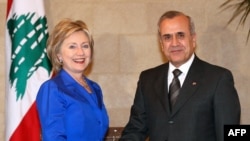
pixel 85 46
pixel 72 46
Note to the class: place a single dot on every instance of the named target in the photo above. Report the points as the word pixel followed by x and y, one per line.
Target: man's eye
pixel 167 37
pixel 181 35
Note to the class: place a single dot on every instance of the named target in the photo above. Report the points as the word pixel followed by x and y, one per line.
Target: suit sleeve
pixel 136 129
pixel 226 104
pixel 51 110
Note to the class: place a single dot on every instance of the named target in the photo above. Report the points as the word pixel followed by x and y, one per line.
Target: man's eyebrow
pixel 167 34
pixel 180 32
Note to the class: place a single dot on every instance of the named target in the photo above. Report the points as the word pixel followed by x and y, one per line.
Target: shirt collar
pixel 183 68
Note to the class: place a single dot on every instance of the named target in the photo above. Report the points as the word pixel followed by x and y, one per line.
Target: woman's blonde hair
pixel 61 31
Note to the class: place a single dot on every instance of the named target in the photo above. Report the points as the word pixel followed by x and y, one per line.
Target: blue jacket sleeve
pixel 51 109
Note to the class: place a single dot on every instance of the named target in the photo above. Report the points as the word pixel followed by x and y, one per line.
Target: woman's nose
pixel 80 51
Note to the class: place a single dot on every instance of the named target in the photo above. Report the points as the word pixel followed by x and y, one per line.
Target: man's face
pixel 177 43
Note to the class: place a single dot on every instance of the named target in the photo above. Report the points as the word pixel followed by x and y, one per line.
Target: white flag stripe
pixel 26 6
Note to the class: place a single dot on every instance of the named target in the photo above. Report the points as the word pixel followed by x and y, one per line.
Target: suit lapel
pixel 190 85
pixel 160 84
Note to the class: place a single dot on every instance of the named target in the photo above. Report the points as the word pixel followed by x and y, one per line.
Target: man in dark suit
pixel 206 101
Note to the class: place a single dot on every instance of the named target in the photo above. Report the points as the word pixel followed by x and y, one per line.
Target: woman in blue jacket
pixel 70 106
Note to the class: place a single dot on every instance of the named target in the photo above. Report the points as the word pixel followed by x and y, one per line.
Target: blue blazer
pixel 68 112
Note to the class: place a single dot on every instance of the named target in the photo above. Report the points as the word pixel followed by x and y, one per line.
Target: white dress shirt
pixel 183 68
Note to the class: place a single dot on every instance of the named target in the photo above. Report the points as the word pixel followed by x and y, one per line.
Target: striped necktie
pixel 174 88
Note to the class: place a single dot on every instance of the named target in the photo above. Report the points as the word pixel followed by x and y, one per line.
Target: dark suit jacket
pixel 207 101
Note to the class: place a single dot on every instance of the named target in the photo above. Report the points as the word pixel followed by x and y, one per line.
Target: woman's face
pixel 75 53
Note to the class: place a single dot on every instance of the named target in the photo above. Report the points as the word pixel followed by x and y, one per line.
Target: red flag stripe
pixel 9 4
pixel 25 130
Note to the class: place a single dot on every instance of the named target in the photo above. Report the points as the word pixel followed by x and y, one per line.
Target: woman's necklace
pixel 84 83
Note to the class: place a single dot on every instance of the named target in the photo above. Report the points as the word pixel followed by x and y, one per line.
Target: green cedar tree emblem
pixel 28 50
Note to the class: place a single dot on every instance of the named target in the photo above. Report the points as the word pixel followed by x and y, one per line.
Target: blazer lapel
pixel 190 85
pixel 69 85
pixel 98 92
pixel 160 84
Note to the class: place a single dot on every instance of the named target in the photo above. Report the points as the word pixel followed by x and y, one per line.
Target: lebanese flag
pixel 27 67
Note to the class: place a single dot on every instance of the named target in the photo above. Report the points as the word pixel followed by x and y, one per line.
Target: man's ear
pixel 194 39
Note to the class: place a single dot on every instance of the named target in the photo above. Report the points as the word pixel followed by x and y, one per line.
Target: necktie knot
pixel 176 72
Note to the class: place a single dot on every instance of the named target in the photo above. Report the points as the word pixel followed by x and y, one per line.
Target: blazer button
pixel 99 122
pixel 170 122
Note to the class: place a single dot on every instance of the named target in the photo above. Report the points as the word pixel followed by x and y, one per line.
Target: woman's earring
pixel 60 60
